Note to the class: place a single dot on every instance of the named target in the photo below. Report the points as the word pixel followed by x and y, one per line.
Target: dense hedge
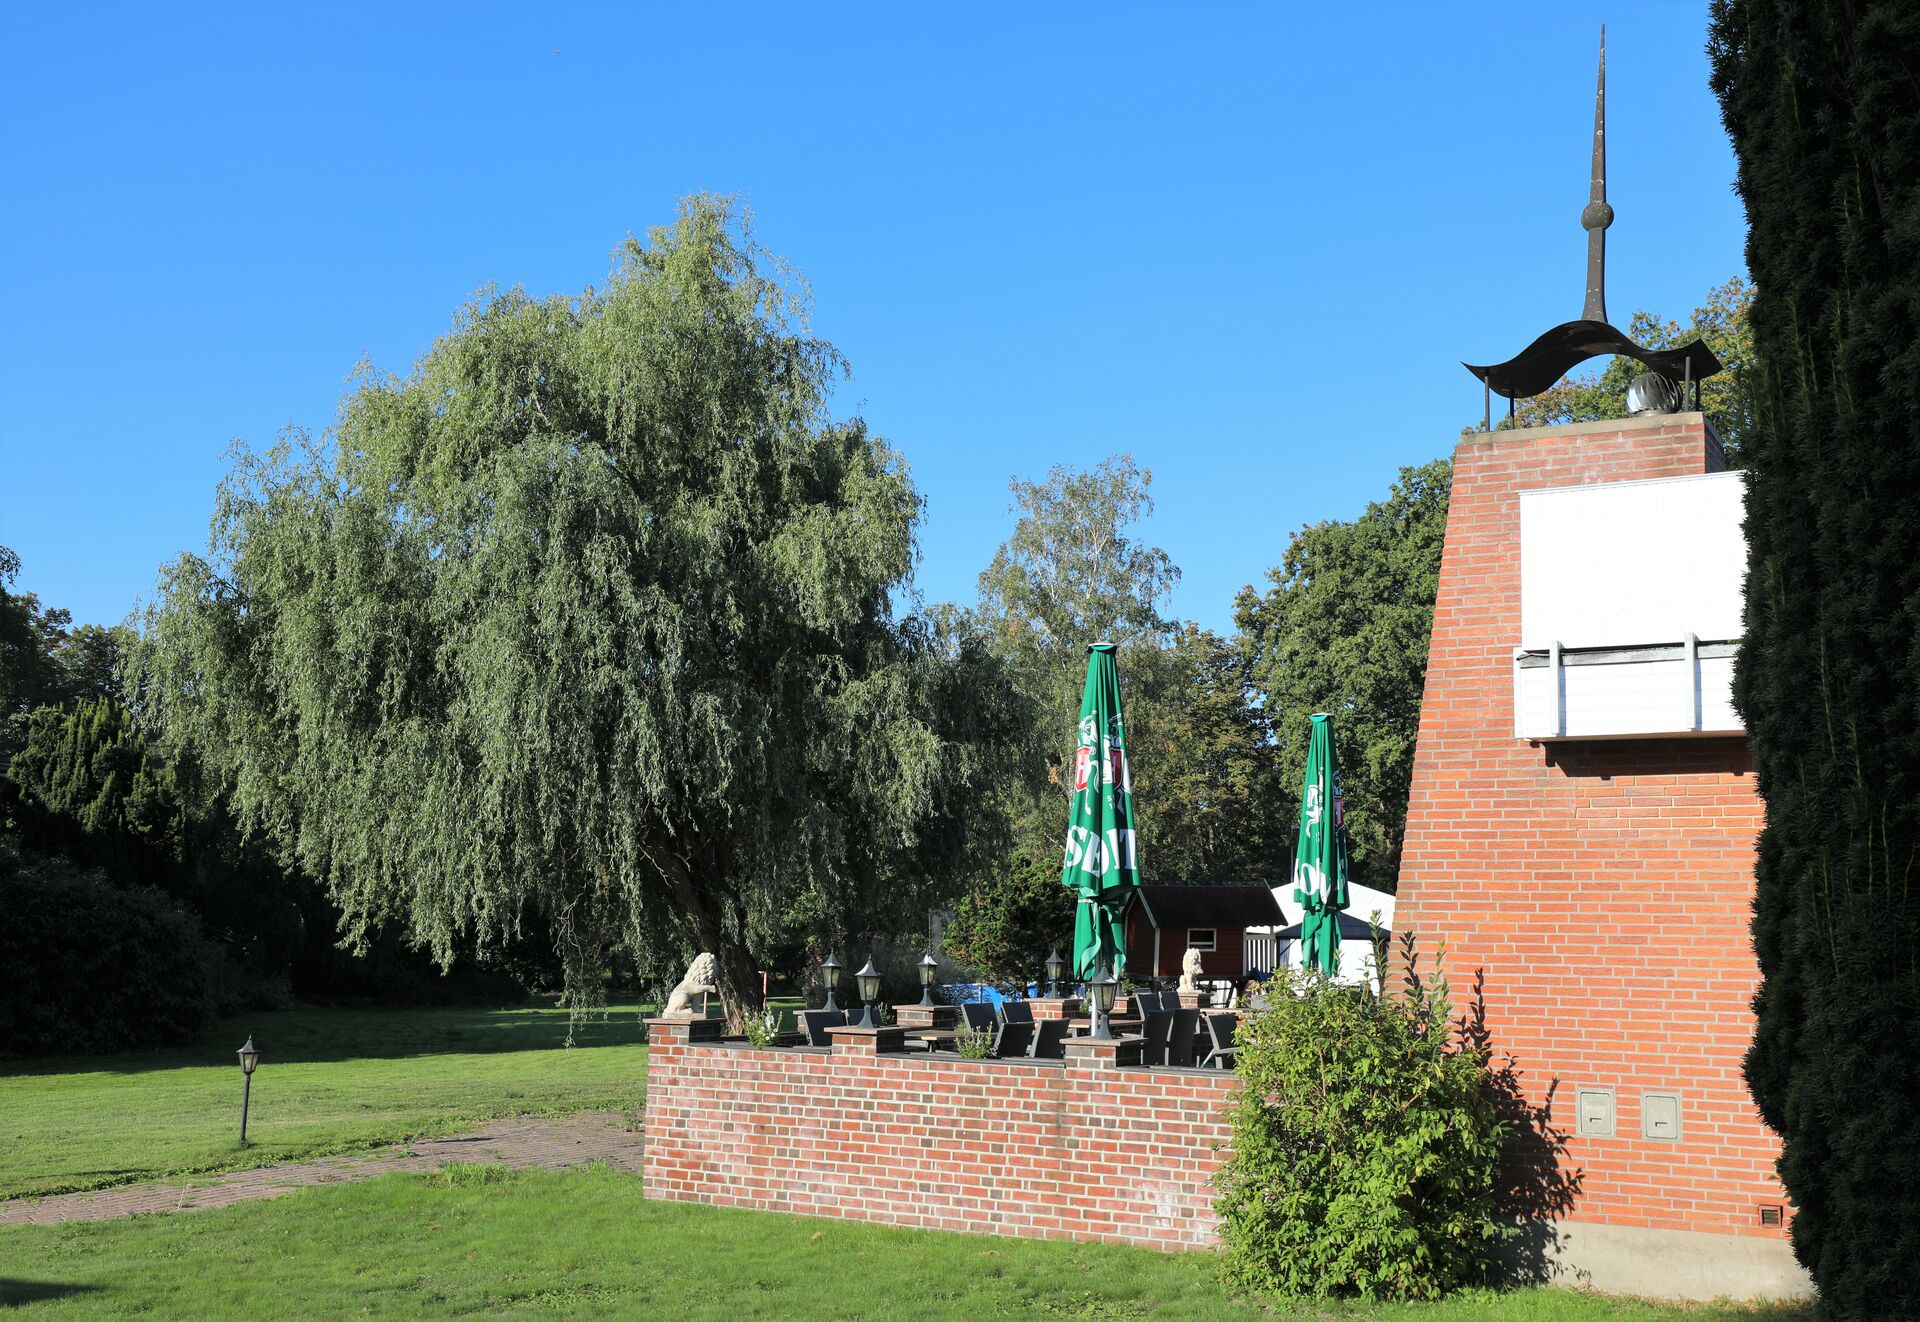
pixel 92 967
pixel 1821 102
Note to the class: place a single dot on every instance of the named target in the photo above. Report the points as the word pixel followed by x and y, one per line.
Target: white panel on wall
pixel 1623 564
pixel 1630 698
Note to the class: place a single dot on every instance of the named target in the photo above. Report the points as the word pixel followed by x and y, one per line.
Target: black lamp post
pixel 929 967
pixel 1103 987
pixel 249 1061
pixel 830 974
pixel 1055 967
pixel 867 980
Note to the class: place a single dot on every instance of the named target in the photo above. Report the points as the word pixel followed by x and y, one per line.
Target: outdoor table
pixel 1081 1027
pixel 935 1038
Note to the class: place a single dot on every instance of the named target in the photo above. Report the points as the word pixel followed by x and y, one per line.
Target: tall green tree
pixel 592 615
pixel 1821 100
pixel 1343 627
pixel 1723 321
pixel 1073 573
pixel 1208 798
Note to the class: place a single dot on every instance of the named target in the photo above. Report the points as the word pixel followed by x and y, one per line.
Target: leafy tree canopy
pixel 1343 628
pixel 592 615
pixel 45 660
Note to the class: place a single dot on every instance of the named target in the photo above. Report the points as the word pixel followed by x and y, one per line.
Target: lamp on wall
pixel 1103 988
pixel 1055 967
pixel 867 980
pixel 829 976
pixel 929 969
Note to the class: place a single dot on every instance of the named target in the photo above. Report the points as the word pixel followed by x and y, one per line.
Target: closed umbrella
pixel 1320 859
pixel 1100 866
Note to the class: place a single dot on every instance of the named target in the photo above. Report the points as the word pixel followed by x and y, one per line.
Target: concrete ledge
pixel 1661 1264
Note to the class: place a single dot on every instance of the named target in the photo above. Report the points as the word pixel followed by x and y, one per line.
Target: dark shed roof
pixel 1351 929
pixel 1231 904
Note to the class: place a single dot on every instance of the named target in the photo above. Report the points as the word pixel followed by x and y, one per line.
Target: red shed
pixel 1166 920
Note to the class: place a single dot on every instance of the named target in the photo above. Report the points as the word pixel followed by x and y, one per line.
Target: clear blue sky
pixel 1250 244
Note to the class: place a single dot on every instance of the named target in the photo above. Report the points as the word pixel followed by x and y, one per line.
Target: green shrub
pixel 94 967
pixel 1365 1147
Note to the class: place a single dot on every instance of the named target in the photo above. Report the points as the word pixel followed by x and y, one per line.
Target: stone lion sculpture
pixel 702 977
pixel 1190 971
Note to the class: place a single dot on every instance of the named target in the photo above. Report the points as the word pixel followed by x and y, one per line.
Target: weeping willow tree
pixel 591 616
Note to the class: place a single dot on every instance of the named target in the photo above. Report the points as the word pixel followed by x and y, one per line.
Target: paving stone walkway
pixel 521 1143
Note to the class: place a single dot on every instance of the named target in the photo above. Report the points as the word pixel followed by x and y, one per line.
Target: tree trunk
pixel 739 979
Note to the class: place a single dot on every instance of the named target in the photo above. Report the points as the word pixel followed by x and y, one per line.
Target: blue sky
pixel 1250 244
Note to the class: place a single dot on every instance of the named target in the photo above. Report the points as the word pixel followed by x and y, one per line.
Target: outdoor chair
pixel 1145 1003
pixel 815 1024
pixel 1156 1026
pixel 1012 1040
pixel 979 1015
pixel 1220 1051
pixel 1049 1040
pixel 1016 1012
pixel 1186 1025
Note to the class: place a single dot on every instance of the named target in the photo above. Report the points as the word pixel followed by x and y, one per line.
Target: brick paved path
pixel 549 1144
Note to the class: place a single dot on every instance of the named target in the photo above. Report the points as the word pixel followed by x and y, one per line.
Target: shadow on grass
pixel 314 1036
pixel 14 1293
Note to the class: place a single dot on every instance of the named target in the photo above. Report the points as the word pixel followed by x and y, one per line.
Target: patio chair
pixel 1016 1012
pixel 1145 1003
pixel 978 1015
pixel 1221 1052
pixel 1012 1040
pixel 1156 1026
pixel 1186 1026
pixel 815 1024
pixel 1049 1040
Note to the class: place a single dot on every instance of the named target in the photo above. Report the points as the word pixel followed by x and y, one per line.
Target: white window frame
pixel 1213 939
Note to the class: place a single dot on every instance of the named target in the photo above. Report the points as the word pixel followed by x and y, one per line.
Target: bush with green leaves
pixel 1365 1147
pixel 94 967
pixel 763 1029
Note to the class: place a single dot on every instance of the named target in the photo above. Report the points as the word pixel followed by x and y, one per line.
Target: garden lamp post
pixel 249 1061
pixel 830 974
pixel 1055 967
pixel 1103 987
pixel 868 982
pixel 929 967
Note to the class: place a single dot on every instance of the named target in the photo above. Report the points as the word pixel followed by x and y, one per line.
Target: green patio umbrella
pixel 1320 859
pixel 1100 866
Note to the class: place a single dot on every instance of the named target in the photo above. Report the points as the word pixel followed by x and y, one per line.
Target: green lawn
pixel 476 1240
pixel 329 1081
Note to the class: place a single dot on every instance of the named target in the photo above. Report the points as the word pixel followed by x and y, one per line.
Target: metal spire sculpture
pixel 1535 369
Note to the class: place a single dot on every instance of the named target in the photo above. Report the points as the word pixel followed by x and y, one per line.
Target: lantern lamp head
pixel 929 970
pixel 1056 967
pixel 249 1056
pixel 868 979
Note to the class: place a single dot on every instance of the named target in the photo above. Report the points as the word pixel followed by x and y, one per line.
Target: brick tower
pixel 1581 836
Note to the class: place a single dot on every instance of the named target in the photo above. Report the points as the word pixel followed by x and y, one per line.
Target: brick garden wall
pixel 1600 890
pixel 1079 1149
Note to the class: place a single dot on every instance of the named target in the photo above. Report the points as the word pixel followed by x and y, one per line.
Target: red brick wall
pixel 1054 1150
pixel 1600 889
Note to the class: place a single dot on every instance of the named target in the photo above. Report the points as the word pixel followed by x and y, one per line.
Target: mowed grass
pixel 480 1241
pixel 329 1081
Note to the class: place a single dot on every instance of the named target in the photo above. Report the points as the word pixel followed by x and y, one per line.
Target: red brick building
pixel 1164 921
pixel 1581 836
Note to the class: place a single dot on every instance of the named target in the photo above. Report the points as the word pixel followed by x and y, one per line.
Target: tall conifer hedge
pixel 1822 100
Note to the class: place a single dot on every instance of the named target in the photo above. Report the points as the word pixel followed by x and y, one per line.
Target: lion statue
pixel 1190 970
pixel 702 977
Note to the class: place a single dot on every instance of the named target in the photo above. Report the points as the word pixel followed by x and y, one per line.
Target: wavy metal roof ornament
pixel 1536 368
